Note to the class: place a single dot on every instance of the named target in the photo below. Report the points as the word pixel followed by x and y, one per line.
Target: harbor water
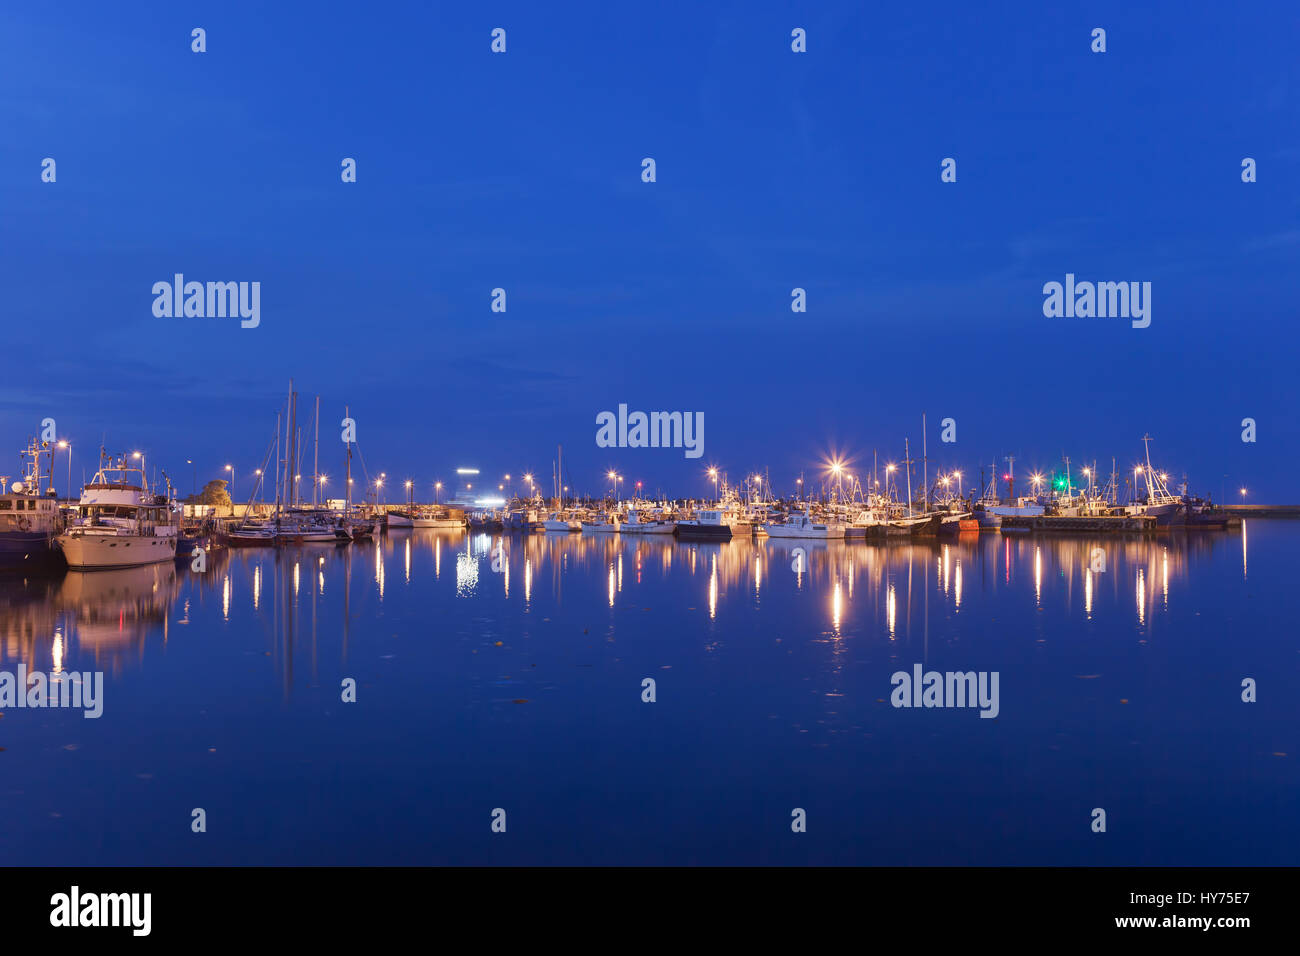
pixel 510 673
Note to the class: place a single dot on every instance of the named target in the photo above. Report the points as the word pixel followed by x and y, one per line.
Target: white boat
pixel 120 522
pixel 800 525
pixel 438 521
pixel 1023 507
pixel 603 524
pixel 564 521
pixel 635 525
pixel 399 519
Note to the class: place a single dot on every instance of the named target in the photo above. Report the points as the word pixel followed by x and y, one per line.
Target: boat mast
pixel 925 465
pixel 907 460
pixel 315 462
pixel 348 479
pixel 277 464
pixel 1151 491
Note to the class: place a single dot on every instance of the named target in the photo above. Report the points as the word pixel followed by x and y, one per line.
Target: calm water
pixel 521 689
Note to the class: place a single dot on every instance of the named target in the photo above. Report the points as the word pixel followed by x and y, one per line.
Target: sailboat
pixel 912 522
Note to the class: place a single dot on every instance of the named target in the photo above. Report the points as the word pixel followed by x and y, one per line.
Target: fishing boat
pixel 121 523
pixel 564 521
pixel 802 525
pixel 399 519
pixel 705 526
pixel 603 524
pixel 29 522
pixel 435 518
pixel 635 524
pixel 958 523
pixel 1168 510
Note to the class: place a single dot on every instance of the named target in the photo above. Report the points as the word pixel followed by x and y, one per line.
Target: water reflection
pixel 845 590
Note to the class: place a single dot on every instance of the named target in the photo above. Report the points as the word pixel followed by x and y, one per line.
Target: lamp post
pixel 68 445
pixel 437 492
pixel 231 469
pixel 261 492
pixel 713 474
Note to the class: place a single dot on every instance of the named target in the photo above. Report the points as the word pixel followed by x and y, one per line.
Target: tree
pixel 213 493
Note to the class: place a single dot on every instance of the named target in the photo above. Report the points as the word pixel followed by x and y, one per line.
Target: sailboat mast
pixel 348 479
pixel 315 462
pixel 277 462
pixel 925 465
pixel 907 460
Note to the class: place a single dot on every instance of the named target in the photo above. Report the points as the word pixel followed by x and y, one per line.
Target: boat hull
pixel 93 552
pixel 703 532
pixel 823 533
pixel 28 550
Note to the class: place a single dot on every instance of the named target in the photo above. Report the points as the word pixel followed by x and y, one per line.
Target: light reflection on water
pixel 520 664
pixel 859 582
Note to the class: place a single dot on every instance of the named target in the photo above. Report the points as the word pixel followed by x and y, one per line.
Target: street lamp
pixel 68 445
pixel 1243 496
pixel 957 475
pixel 437 490
pixel 231 469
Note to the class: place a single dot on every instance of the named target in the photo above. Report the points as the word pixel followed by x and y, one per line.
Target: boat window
pixel 6 504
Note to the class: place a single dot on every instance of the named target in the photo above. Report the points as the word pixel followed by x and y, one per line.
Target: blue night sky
pixel 775 170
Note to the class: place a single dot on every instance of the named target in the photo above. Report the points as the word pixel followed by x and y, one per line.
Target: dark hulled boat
pixel 30 521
